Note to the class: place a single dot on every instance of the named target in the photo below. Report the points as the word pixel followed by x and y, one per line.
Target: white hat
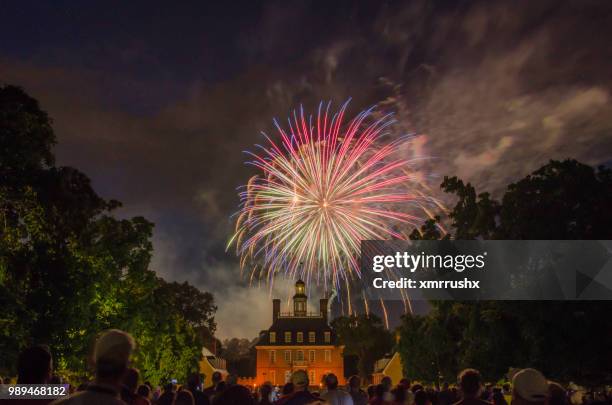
pixel 530 385
pixel 114 346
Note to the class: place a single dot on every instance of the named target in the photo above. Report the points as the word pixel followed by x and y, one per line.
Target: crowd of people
pixel 115 382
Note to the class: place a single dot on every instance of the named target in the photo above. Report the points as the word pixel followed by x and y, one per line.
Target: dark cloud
pixel 158 117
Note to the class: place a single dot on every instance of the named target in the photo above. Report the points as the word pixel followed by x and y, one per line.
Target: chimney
pixel 275 309
pixel 323 308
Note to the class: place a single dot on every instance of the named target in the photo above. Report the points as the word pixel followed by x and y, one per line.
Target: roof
pixel 296 324
pixel 381 365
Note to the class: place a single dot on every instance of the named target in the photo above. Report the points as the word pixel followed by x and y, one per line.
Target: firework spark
pixel 321 189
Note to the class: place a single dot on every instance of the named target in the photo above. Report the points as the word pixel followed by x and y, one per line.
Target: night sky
pixel 157 102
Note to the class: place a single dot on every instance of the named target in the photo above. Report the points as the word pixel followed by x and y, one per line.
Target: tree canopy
pixel 70 269
pixel 365 337
pixel 568 341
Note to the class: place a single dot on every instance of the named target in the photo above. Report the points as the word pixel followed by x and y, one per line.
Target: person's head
pixel 556 394
pixel 379 391
pixel 34 365
pixel 371 391
pixel 331 381
pixel 421 398
pixel 193 381
pixel 112 355
pixel 498 398
pixel 386 381
pixel 469 381
pixel 169 387
pixel 144 391
pixel 265 391
pixel 405 383
pixel 288 389
pixel 399 393
pixel 235 395
pixel 216 378
pixel 354 382
pixel 183 397
pixel 130 379
pixel 529 387
pixel 300 380
pixel 231 379
pixel 220 387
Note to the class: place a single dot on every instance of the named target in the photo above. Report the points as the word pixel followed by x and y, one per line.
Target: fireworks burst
pixel 323 188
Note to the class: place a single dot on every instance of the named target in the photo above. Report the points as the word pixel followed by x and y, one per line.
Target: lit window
pixel 311 337
pixel 287 376
pixel 300 337
pixel 311 356
pixel 287 356
pixel 299 355
pixel 312 377
pixel 287 337
pixel 272 337
pixel 327 337
pixel 328 356
pixel 272 356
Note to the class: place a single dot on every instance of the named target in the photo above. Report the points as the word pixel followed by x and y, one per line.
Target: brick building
pixel 298 341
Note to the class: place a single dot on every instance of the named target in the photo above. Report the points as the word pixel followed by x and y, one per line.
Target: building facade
pixel 298 341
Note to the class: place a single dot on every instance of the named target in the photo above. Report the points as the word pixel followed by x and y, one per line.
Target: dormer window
pixel 300 337
pixel 272 337
pixel 311 337
pixel 287 337
pixel 327 337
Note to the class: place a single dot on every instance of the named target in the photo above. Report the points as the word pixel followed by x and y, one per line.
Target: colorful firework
pixel 323 188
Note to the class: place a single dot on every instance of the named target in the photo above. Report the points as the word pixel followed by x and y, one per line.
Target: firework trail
pixel 322 188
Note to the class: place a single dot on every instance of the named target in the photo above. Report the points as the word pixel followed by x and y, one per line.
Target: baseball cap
pixel 299 378
pixel 530 385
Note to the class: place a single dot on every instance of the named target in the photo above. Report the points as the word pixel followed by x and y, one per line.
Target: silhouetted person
pixel 167 397
pixel 445 397
pixel 371 391
pixel 379 395
pixel 130 385
pixel 111 358
pixel 357 394
pixel 421 398
pixel 34 366
pixel 144 391
pixel 216 379
pixel 387 383
pixel 184 397
pixel 193 385
pixel 498 397
pixel 235 395
pixel 287 390
pixel 265 391
pixel 529 387
pixel 300 395
pixel 333 395
pixel 557 394
pixel 470 384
